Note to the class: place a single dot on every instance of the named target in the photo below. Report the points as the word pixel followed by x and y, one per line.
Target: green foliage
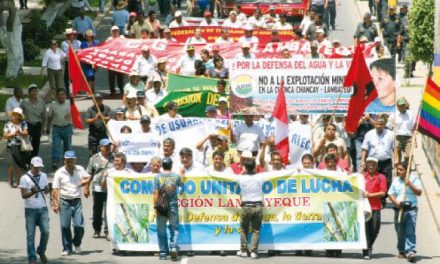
pixel 31 51
pixel 3 64
pixel 421 29
pixel 59 24
pixel 37 31
pixel 22 81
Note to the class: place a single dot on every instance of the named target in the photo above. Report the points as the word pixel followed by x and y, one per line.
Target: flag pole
pixel 413 141
pixel 93 96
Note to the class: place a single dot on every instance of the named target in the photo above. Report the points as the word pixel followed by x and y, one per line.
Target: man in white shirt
pixel 185 65
pixel 248 36
pixel 157 93
pixel 208 22
pixel 271 17
pixel 189 166
pixel 248 136
pixel 144 64
pixel 404 121
pixel 282 24
pixel 245 52
pixel 257 21
pixel 321 39
pixel 33 187
pixel 172 111
pixel 67 184
pixel 251 208
pixel 178 21
pixel 232 21
pixel 197 38
pixel 379 143
pixel 14 101
pixel 224 37
pixel 218 166
pixel 307 21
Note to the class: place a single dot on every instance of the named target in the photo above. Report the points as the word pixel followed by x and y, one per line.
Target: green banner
pixel 191 104
pixel 180 83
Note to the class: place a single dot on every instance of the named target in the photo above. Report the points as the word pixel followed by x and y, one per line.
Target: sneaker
pixel 96 235
pixel 242 254
pixel 162 257
pixel 65 253
pixel 173 254
pixel 254 255
pixel 78 250
pixel 411 257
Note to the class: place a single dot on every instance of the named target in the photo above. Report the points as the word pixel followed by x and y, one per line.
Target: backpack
pixel 162 202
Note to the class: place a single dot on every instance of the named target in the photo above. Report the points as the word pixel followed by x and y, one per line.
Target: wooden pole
pixel 413 141
pixel 93 96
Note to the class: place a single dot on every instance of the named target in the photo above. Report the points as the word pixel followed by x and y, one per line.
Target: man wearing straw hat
pixel 76 45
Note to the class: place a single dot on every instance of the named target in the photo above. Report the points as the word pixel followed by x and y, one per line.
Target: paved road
pixel 12 228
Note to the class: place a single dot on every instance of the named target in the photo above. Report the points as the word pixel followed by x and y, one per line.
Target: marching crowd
pixel 380 146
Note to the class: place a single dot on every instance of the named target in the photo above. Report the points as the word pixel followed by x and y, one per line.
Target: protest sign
pixel 120 54
pixel 181 34
pixel 311 85
pixel 190 103
pixel 308 210
pixel 176 82
pixel 139 149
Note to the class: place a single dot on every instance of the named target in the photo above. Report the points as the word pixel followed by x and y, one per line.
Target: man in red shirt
pixel 375 189
pixel 340 163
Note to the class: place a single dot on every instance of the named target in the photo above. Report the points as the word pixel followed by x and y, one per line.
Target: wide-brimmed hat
pixel 68 31
pixel 19 111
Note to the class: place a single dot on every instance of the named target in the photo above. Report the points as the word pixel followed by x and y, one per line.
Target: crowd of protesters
pixel 373 150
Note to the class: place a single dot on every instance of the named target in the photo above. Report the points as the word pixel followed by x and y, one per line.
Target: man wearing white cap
pixel 178 21
pixel 185 65
pixel 248 36
pixel 245 52
pixel 321 39
pixel 257 21
pixel 157 93
pixel 67 184
pixel 135 84
pixel 144 64
pixel 232 21
pixel 272 17
pixel 34 186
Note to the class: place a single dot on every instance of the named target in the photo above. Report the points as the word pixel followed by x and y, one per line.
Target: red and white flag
pixel 281 125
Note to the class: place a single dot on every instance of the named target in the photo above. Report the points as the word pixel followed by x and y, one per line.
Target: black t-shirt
pixel 98 127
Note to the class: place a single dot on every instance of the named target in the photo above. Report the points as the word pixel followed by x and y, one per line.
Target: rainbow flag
pixel 429 123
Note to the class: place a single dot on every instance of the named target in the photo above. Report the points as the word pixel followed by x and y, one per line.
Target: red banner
pixel 181 34
pixel 120 54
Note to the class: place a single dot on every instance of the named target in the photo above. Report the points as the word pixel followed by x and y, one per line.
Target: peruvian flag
pixel 281 125
pixel 76 74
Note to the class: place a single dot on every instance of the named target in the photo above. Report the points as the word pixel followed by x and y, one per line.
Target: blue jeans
pixel 173 218
pixel 406 231
pixel 36 217
pixel 101 5
pixel 71 210
pixel 61 134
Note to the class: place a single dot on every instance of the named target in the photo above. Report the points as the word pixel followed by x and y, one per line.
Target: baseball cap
pixel 248 28
pixel 190 47
pixel 114 28
pixel 402 101
pixel 145 48
pixel 336 41
pixel 105 142
pixel 178 14
pixel 233 13
pixel 89 33
pixel 171 105
pixel 367 14
pixel 320 30
pixel 37 162
pixel 133 73
pixel 99 96
pixel 131 95
pixel 140 94
pixel 222 99
pixel 210 108
pixel 70 154
pixel 372 159
pixel 245 45
pixel 145 118
pixel 247 154
pixel 166 30
pixel 119 110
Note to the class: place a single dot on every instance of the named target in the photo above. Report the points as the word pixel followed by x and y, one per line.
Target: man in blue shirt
pixel 403 194
pixel 81 24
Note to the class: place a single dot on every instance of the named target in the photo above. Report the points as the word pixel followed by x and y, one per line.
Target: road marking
pixel 184 260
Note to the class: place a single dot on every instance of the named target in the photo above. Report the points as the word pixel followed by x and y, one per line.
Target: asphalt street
pixel 13 234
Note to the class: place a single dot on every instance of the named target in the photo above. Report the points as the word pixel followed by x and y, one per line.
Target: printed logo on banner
pixel 242 86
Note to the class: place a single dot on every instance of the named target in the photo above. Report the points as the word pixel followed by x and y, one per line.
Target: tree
pixel 421 30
